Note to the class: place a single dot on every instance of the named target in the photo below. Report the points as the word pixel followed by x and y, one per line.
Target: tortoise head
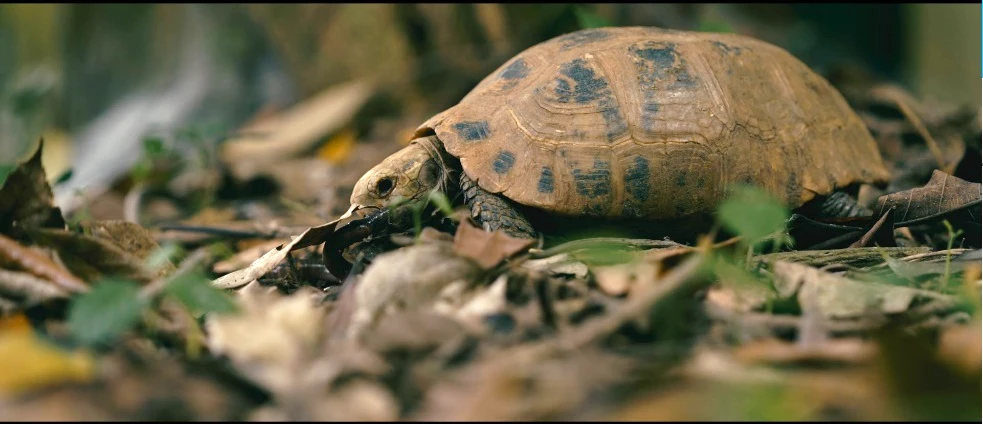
pixel 409 174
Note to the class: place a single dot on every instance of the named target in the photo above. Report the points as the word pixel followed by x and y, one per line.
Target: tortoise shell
pixel 653 123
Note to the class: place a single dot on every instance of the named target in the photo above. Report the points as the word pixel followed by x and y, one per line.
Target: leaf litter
pixel 794 318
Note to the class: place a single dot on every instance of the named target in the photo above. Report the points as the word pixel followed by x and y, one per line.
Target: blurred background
pixel 240 91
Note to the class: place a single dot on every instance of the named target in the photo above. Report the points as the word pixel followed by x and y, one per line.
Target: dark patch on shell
pixel 513 73
pixel 728 49
pixel 518 69
pixel 681 179
pixel 546 180
pixel 659 67
pixel 582 37
pixel 503 162
pixel 638 179
pixel 588 87
pixel 593 183
pixel 472 130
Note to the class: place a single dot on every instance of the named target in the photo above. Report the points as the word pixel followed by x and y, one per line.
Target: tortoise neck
pixel 449 165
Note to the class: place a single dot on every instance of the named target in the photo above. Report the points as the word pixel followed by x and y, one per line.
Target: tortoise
pixel 634 123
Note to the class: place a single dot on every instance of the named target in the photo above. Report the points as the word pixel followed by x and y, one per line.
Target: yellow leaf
pixel 58 152
pixel 15 324
pixel 27 363
pixel 339 147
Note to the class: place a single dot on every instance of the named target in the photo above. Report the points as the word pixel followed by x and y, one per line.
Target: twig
pixel 131 203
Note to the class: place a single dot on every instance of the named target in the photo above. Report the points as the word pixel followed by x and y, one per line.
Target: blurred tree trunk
pixel 945 51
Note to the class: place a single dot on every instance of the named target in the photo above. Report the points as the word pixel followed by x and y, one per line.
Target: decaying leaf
pixel 32 289
pixel 840 297
pixel 93 258
pixel 130 237
pixel 617 280
pixel 487 248
pixel 265 263
pixel 244 258
pixel 37 264
pixel 273 340
pixel 295 130
pixel 406 279
pixel 26 202
pixel 29 363
pixel 943 193
pixel 560 264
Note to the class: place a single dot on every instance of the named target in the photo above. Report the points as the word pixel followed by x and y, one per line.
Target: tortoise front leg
pixel 494 212
pixel 842 205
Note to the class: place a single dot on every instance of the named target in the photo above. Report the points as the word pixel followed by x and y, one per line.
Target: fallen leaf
pixel 943 193
pixel 29 287
pixel 26 202
pixel 272 340
pixel 406 279
pixel 840 297
pixel 487 248
pixel 93 258
pixel 560 264
pixel 617 280
pixel 28 363
pixel 130 237
pixel 338 148
pixel 297 129
pixel 312 236
pixel 37 264
pixel 244 258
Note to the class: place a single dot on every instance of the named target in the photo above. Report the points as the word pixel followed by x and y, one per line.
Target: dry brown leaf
pixel 297 129
pixel 29 287
pixel 39 265
pixel 273 340
pixel 941 194
pixel 405 279
pixel 840 297
pixel 26 201
pixel 93 258
pixel 266 263
pixel 131 238
pixel 244 258
pixel 618 280
pixel 487 248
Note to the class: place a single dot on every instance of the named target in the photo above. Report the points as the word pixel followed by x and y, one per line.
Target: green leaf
pixel 752 213
pixel 588 19
pixel 442 202
pixel 197 294
pixel 163 255
pixel 713 25
pixel 111 308
pixel 5 170
pixel 153 146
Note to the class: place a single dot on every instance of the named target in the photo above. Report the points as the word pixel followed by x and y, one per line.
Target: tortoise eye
pixel 384 186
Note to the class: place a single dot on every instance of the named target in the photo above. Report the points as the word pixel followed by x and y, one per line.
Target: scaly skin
pixel 494 212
